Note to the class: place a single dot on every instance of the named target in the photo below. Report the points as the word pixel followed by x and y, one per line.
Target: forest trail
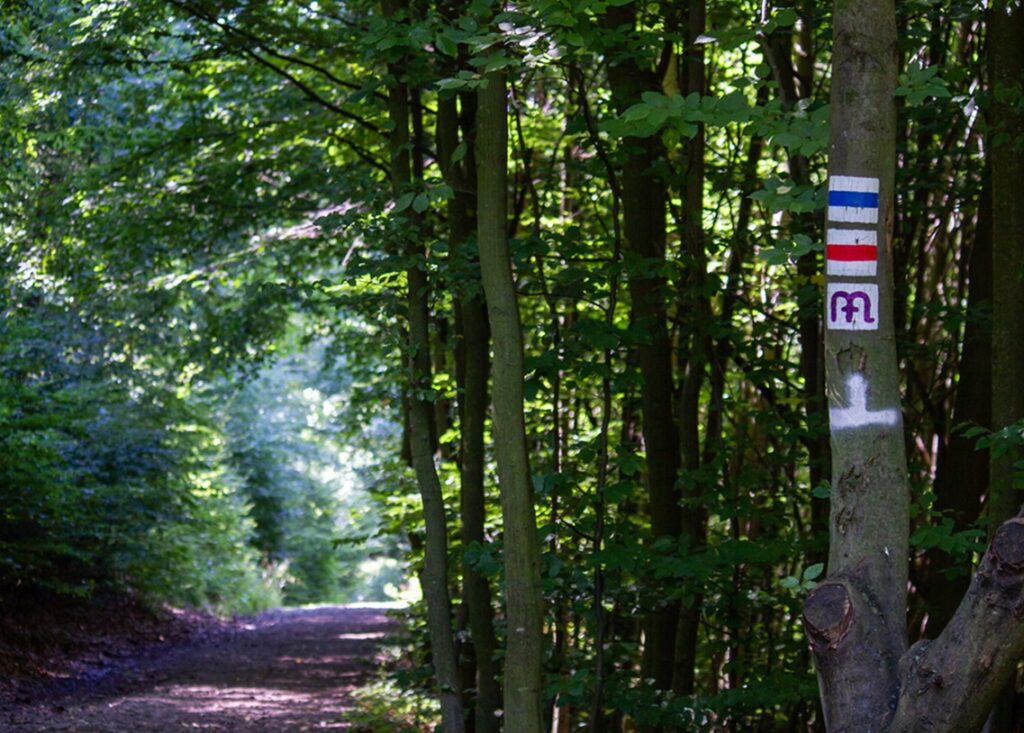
pixel 285 671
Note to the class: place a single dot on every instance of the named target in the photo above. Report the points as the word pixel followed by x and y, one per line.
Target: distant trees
pixel 133 464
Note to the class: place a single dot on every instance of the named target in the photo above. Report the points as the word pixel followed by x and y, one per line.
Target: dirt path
pixel 287 671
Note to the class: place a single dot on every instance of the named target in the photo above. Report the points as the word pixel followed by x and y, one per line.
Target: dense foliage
pixel 207 382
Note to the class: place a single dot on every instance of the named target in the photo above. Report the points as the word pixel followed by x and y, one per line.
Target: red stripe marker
pixel 851 252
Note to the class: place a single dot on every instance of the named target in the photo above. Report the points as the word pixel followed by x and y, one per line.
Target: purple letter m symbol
pixel 855 301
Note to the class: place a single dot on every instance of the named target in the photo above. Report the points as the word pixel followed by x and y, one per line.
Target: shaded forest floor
pixel 283 671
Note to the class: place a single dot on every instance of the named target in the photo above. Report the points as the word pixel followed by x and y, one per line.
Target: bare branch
pixel 950 684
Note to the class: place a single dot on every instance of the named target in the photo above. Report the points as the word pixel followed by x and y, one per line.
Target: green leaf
pixel 496 61
pixel 822 490
pixel 786 17
pixel 446 45
pixel 814 571
pixel 630 464
pixel 402 202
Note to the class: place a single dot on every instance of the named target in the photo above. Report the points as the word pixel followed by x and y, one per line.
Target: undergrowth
pixel 398 700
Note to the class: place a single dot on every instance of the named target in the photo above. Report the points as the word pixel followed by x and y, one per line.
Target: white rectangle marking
pixel 852 252
pixel 853 183
pixel 853 214
pixel 852 236
pixel 851 306
pixel 852 269
pixel 853 199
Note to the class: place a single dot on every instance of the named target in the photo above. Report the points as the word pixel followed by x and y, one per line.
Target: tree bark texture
pixel 943 686
pixel 864 602
pixel 1006 64
pixel 472 370
pixel 949 685
pixel 523 688
pixel 697 305
pixel 473 411
pixel 1006 56
pixel 421 423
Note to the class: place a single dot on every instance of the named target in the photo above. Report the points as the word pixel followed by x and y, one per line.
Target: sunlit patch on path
pixel 291 670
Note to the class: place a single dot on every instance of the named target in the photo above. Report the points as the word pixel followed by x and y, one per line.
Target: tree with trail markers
pixel 856 619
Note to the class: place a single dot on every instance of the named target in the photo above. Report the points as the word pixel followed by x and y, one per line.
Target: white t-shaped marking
pixel 857 414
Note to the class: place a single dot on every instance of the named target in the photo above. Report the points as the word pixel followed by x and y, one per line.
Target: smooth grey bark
pixel 869 517
pixel 472 370
pixel 523 687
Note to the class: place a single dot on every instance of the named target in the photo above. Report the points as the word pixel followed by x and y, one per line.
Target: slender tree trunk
pixel 472 359
pixel 421 421
pixel 1006 31
pixel 1006 59
pixel 698 305
pixel 473 411
pixel 524 710
pixel 962 474
pixel 602 627
pixel 561 715
pixel 795 83
pixel 740 250
pixel 643 216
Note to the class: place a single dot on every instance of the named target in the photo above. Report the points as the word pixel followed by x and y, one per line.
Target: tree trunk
pixel 795 82
pixel 856 619
pixel 869 513
pixel 698 306
pixel 421 421
pixel 472 368
pixel 473 409
pixel 643 215
pixel 1006 29
pixel 1006 59
pixel 962 474
pixel 523 711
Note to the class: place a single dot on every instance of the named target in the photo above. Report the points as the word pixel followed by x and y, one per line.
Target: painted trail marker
pixel 856 414
pixel 851 306
pixel 851 252
pixel 853 199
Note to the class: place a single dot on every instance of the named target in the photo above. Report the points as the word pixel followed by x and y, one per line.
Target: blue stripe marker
pixel 853 199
